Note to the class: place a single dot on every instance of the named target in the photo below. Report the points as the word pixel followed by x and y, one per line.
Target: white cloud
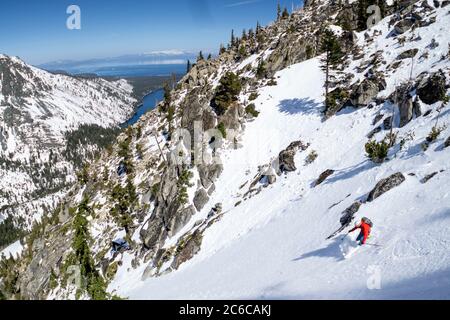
pixel 241 3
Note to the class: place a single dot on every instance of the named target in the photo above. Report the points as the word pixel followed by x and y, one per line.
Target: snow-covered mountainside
pixel 40 117
pixel 262 214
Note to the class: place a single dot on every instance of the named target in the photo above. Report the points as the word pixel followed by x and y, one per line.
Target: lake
pixel 148 103
pixel 143 70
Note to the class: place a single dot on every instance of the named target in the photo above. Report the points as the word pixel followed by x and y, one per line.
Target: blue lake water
pixel 143 70
pixel 149 103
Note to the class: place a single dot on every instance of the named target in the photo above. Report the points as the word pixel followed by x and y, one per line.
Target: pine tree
pixel 233 39
pixel 222 49
pixel 167 97
pixel 188 67
pixel 200 56
pixel 333 55
pixel 209 57
pixel 251 35
pixel 96 286
pixel 285 14
pixel 244 35
pixel 278 11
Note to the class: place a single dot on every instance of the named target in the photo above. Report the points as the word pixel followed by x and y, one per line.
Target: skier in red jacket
pixel 365 225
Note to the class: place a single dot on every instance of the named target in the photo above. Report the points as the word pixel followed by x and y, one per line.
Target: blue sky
pixel 36 30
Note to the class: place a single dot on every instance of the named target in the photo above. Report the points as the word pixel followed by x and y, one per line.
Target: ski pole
pixel 374 245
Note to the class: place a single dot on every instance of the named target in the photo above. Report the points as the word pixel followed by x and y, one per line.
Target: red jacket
pixel 365 229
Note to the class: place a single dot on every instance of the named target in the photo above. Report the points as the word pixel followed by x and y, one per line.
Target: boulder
pixel 403 25
pixel 387 123
pixel 323 176
pixel 286 157
pixel 447 143
pixel 428 177
pixel 417 108
pixel 406 110
pixel 411 53
pixel 231 118
pixel 349 214
pixel 366 91
pixel 187 248
pixel 200 199
pixel 209 173
pixel 432 89
pixel 385 185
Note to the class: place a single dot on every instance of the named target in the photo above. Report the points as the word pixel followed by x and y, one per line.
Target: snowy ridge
pixel 37 109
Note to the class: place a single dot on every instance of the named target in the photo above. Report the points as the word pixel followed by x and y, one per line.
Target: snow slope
pixel 272 246
pixel 37 109
pixel 13 250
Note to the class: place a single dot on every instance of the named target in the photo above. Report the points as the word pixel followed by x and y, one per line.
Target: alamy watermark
pixel 74 20
pixel 374 280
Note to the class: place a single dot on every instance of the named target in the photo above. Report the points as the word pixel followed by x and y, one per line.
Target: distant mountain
pixel 150 58
pixel 49 125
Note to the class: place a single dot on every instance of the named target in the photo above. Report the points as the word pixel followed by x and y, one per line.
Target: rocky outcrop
pixel 432 89
pixel 200 199
pixel 366 91
pixel 428 177
pixel 209 173
pixel 417 108
pixel 406 111
pixel 232 117
pixel 47 256
pixel 385 185
pixel 187 248
pixel 411 53
pixel 286 157
pixel 404 25
pixel 447 143
pixel 349 213
pixel 323 176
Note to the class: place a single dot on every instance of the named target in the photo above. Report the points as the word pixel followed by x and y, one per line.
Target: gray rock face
pixel 187 249
pixel 385 185
pixel 432 89
pixel 323 176
pixel 447 143
pixel 406 111
pixel 47 256
pixel 231 118
pixel 181 219
pixel 209 173
pixel 349 213
pixel 428 177
pixel 286 157
pixel 200 199
pixel 417 109
pixel 366 92
pixel 403 25
pixel 166 216
pixel 408 54
pixel 387 123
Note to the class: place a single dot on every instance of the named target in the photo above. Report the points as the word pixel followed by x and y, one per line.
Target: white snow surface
pixel 14 250
pixel 273 245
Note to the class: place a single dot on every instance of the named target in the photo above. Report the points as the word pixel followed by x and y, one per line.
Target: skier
pixel 365 225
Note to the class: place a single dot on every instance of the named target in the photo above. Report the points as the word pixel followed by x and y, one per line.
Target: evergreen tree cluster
pixel 95 284
pixel 124 200
pixel 9 232
pixel 86 135
pixel 227 92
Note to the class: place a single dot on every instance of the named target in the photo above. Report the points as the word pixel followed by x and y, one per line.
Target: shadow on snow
pixel 300 106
